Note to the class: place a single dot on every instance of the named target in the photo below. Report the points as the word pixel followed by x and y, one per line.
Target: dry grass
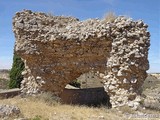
pixel 44 107
pixel 109 17
pixel 32 107
pixel 47 107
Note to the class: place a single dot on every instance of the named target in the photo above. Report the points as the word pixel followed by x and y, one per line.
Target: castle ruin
pixel 57 50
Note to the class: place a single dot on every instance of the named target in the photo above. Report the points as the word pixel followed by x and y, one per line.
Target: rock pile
pixel 152 102
pixel 56 50
pixel 8 111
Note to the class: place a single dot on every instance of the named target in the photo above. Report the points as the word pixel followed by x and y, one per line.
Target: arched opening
pixel 87 89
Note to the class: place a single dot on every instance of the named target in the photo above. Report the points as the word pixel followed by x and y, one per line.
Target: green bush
pixel 75 83
pixel 15 73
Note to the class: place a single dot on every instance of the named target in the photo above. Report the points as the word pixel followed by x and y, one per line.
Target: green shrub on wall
pixel 75 83
pixel 15 73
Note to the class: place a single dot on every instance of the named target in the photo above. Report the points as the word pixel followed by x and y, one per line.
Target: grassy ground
pixel 36 108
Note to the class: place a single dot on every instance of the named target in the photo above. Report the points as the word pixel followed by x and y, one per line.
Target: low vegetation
pixel 38 109
pixel 109 17
pixel 75 83
pixel 46 107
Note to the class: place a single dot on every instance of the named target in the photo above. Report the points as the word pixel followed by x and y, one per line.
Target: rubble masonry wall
pixel 57 49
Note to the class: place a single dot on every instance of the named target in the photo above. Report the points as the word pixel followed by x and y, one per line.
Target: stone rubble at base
pixel 8 110
pixel 57 49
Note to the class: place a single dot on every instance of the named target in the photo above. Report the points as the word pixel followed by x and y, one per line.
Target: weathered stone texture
pixel 57 50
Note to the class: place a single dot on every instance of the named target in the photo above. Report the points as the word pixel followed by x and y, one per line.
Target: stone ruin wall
pixel 57 49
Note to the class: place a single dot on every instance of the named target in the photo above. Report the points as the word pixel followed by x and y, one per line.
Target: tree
pixel 15 73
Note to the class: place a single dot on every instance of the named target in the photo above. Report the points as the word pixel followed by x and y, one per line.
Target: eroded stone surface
pixel 57 50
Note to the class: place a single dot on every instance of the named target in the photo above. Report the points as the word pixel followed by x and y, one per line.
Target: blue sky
pixel 147 10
